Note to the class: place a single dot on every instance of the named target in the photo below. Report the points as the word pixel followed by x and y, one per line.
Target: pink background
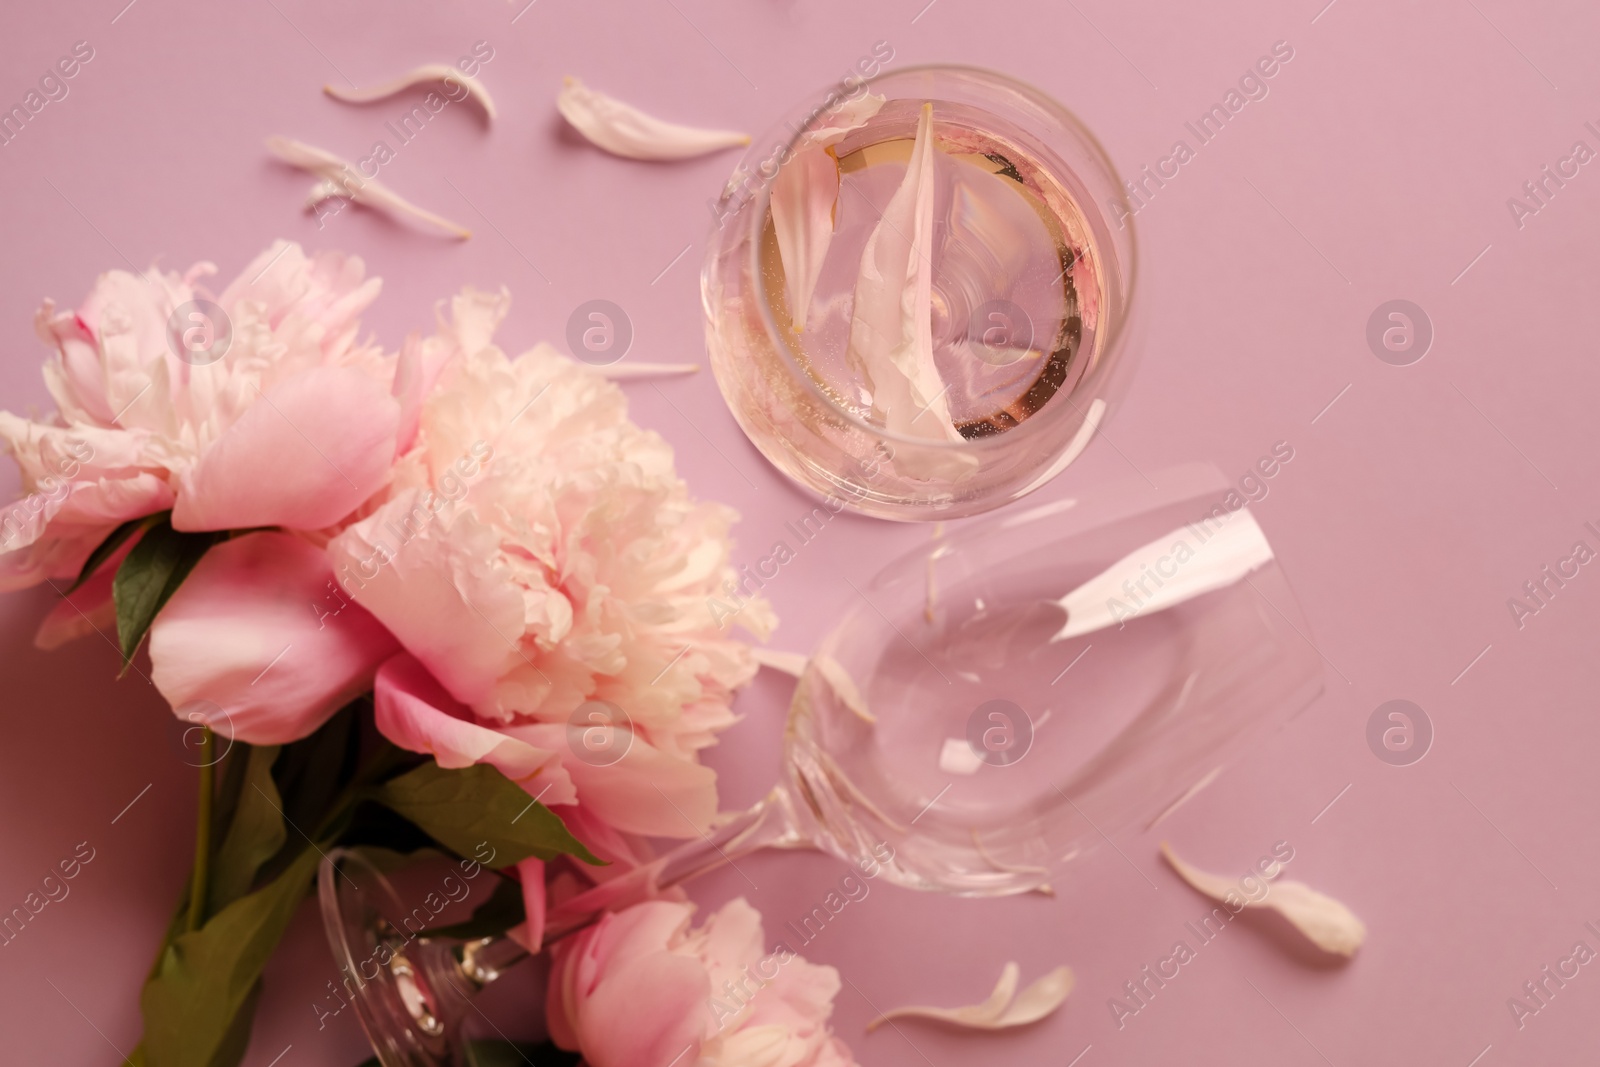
pixel 1378 168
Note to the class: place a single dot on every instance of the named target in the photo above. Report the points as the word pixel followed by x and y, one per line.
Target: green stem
pixel 199 887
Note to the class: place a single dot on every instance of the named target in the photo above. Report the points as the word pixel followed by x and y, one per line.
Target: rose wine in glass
pixel 914 299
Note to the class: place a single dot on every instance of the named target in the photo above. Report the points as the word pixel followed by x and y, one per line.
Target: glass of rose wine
pixel 914 299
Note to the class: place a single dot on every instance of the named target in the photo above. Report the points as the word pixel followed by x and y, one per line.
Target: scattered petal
pixel 428 72
pixel 1233 552
pixel 1000 1011
pixel 624 130
pixel 618 372
pixel 1040 999
pixel 342 179
pixel 805 197
pixel 1324 921
pixel 792 663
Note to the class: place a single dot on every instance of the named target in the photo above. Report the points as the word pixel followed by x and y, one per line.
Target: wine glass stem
pixel 482 961
pixel 766 824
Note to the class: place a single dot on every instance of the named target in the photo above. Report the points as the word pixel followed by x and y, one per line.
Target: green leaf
pixel 148 577
pixel 207 977
pixel 109 546
pixel 236 1042
pixel 475 806
pixel 255 832
pixel 503 910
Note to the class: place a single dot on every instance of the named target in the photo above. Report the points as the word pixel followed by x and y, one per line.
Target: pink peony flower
pixel 640 988
pixel 534 554
pixel 271 414
pixel 255 645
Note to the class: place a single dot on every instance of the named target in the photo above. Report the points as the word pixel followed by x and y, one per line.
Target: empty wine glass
pixel 991 707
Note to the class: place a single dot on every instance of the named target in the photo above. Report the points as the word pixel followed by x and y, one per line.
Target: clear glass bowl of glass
pixel 996 702
pixel 916 301
pixel 992 707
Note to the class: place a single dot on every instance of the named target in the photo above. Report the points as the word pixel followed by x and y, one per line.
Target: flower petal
pixel 646 791
pixel 1041 998
pixel 1324 921
pixel 341 179
pixel 437 589
pixel 624 130
pixel 1238 547
pixel 999 1010
pixel 619 993
pixel 891 326
pixel 662 997
pixel 257 643
pixel 86 610
pixel 804 201
pixel 428 72
pixel 413 710
pixel 411 385
pixel 830 670
pixel 805 194
pixel 790 663
pixel 530 933
pixel 304 456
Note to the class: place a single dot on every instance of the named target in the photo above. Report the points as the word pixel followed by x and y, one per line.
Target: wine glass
pixel 989 246
pixel 991 707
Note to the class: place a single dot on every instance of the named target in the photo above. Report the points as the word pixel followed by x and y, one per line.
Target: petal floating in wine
pixel 1324 921
pixel 341 179
pixel 624 130
pixel 1004 1007
pixel 891 325
pixel 805 197
pixel 426 74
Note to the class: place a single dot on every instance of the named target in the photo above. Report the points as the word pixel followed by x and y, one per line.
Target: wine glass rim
pixel 1117 318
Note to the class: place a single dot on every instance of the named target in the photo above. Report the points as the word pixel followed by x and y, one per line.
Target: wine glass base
pixel 407 990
